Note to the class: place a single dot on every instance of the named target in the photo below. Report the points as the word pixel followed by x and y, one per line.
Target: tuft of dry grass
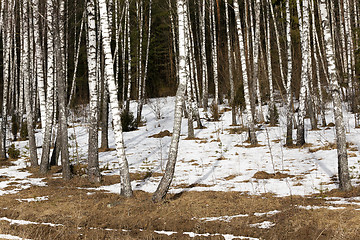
pixel 277 175
pixel 162 134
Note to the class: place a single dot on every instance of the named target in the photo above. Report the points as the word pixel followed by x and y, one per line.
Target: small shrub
pixel 24 131
pixel 128 121
pixel 13 152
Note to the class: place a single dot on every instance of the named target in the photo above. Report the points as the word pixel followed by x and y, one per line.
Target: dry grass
pixel 162 134
pixel 106 149
pixel 87 216
pixel 277 175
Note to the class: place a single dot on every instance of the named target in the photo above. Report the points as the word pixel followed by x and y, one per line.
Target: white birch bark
pixel 214 52
pixel 6 14
pixel 120 148
pixel 25 69
pixel 304 36
pixel 249 116
pixel 343 171
pixel 205 81
pixel 127 105
pixel 230 66
pixel 143 79
pixel 44 165
pixel 165 182
pixel 39 56
pixel 93 154
pixel 256 57
pixel 269 68
pixel 289 117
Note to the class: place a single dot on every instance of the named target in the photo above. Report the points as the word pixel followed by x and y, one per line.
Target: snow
pixel 24 222
pixel 216 161
pixel 267 213
pixel 226 236
pixel 36 199
pixel 8 236
pixel 309 207
pixel 221 218
pixel 264 224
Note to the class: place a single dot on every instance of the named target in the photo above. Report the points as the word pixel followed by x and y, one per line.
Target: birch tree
pixel 26 74
pixel 166 180
pixel 44 165
pixel 343 171
pixel 249 116
pixel 109 69
pixel 304 36
pixel 289 116
pixel 93 155
pixel 230 66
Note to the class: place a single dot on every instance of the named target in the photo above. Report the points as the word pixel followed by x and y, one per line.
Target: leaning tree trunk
pixel 165 182
pixel 343 170
pixel 109 69
pixel 93 154
pixel 250 119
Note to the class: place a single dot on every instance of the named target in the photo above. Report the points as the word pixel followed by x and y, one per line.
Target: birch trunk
pixel 93 154
pixel 109 69
pixel 143 79
pixel 304 36
pixel 26 70
pixel 6 14
pixel 249 116
pixel 205 81
pixel 343 171
pixel 128 92
pixel 61 89
pixel 289 117
pixel 165 182
pixel 39 59
pixel 272 107
pixel 214 52
pixel 230 66
pixel 256 57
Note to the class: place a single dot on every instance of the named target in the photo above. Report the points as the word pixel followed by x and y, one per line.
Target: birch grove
pixel 97 63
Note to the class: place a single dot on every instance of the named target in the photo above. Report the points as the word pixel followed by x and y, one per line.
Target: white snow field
pixel 217 160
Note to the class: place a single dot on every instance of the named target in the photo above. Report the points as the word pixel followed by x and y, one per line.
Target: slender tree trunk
pixel 26 70
pixel 304 36
pixel 205 80
pixel 214 52
pixel 343 170
pixel 289 117
pixel 109 69
pixel 165 182
pixel 44 165
pixel 230 66
pixel 61 89
pixel 93 155
pixel 250 119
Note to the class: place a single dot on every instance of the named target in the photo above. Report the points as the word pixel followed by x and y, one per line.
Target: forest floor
pixel 222 189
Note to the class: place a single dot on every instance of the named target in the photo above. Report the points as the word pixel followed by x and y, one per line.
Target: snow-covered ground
pixel 217 160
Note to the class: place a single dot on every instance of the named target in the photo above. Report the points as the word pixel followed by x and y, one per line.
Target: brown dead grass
pixel 236 130
pixel 277 175
pixel 162 134
pixel 85 216
pixel 249 146
pixel 6 162
pixel 106 149
pixel 331 146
